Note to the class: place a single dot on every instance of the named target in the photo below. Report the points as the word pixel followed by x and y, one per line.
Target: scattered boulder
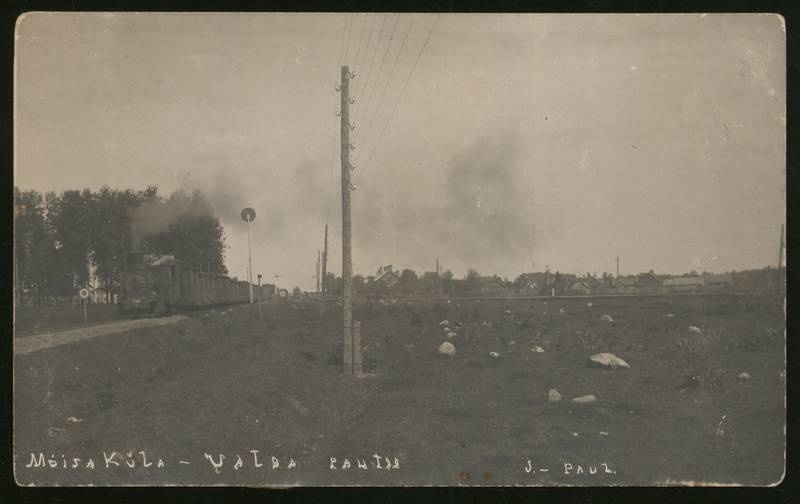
pixel 606 318
pixel 451 334
pixel 447 348
pixel 444 323
pixel 585 399
pixel 537 349
pixel 561 310
pixel 589 305
pixel 553 395
pixel 695 329
pixel 670 315
pixel 744 376
pixel 494 354
pixel 608 360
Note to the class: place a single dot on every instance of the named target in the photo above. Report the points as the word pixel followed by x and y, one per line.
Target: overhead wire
pixel 388 80
pixel 360 60
pixel 368 95
pixel 371 64
pixel 400 96
pixel 333 137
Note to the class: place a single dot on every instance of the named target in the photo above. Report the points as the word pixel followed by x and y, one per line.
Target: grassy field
pixel 220 383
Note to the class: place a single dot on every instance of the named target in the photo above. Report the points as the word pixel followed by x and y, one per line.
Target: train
pixel 160 285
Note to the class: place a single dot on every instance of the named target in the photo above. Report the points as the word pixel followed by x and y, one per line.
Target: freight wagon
pixel 161 285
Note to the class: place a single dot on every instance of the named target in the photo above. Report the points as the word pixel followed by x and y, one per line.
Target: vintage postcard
pixel 382 249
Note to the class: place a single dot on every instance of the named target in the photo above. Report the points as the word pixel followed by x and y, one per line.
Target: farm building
pixel 531 283
pixel 626 284
pixel 387 277
pixel 648 281
pixel 580 287
pixel 719 282
pixel 493 286
pixel 684 283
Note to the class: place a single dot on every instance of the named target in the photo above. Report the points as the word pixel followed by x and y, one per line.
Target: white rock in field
pixel 589 305
pixel 508 312
pixel 606 318
pixel 553 395
pixel 695 329
pixel 444 323
pixel 744 376
pixel 609 360
pixel 537 349
pixel 451 334
pixel 585 399
pixel 561 310
pixel 494 354
pixel 512 343
pixel 447 348
pixel 670 315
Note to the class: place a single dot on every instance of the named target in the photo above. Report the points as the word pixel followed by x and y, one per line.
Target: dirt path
pixel 30 344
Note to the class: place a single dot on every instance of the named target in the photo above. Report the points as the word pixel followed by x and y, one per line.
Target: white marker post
pixel 84 293
pixel 259 296
pixel 249 215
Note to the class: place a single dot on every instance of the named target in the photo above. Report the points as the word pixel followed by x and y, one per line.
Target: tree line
pixel 67 240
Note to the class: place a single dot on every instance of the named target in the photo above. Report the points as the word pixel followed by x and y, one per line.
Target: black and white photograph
pixel 387 249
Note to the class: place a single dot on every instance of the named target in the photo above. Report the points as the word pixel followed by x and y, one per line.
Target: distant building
pixel 531 283
pixel 719 282
pixel 648 281
pixel 684 283
pixel 626 284
pixel 493 286
pixel 387 277
pixel 580 287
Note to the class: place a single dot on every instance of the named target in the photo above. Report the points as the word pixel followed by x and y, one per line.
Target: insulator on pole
pixel 338 113
pixel 353 187
pixel 338 89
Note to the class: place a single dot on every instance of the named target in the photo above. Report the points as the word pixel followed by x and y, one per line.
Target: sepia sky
pixel 520 141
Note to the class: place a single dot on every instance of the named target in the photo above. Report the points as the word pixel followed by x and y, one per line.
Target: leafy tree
pixel 32 243
pixel 472 281
pixel 448 285
pixel 408 281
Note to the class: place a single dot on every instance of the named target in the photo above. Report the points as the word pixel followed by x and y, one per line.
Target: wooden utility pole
pixel 347 265
pixel 780 262
pixel 616 281
pixel 318 264
pixel 324 273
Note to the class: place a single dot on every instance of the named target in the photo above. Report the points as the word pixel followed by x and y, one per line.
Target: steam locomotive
pixel 160 285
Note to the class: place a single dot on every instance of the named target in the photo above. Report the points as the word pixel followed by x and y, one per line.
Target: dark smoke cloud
pixel 156 216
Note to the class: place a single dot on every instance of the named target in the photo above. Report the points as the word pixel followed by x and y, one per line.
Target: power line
pixel 349 32
pixel 371 62
pixel 361 39
pixel 333 137
pixel 402 91
pixel 360 61
pixel 380 67
pixel 389 79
